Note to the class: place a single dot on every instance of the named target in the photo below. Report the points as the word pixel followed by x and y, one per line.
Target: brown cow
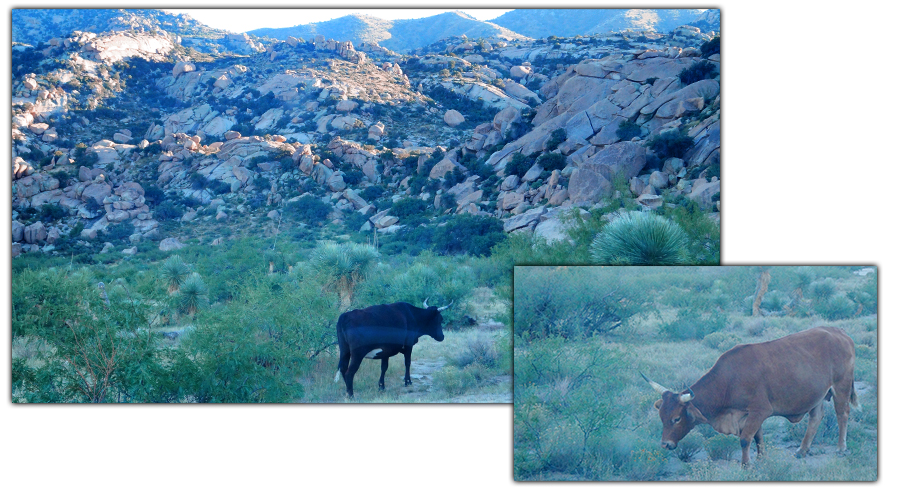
pixel 788 377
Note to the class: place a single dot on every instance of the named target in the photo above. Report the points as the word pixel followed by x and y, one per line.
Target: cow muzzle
pixel 669 445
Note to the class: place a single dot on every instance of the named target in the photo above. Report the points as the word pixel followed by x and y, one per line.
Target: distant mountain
pixel 33 26
pixel 541 23
pixel 400 35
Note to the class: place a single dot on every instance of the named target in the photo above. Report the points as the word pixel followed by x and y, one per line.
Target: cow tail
pixel 854 399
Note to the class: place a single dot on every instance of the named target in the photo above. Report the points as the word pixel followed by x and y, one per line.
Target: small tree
pixel 345 265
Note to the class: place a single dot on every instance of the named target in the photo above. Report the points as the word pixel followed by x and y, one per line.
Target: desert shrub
pixel 93 351
pixel 556 138
pixel 552 161
pixel 559 421
pixel 255 348
pixel 835 307
pixel 468 234
pixel 693 324
pixel 51 212
pixel 168 210
pixel 645 463
pixel 454 381
pixel 480 349
pixel 573 303
pixel 371 193
pixel 774 301
pixel 407 207
pixel 700 70
pixel 519 164
pixel 628 130
pixel 756 326
pixel 710 47
pixel 640 238
pixel 823 290
pixel 866 295
pixel 309 209
pixel 721 341
pixel 689 447
pixel 671 144
pixel 721 447
pixel 153 195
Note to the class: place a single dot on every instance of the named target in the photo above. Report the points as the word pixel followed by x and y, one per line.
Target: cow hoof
pixel 407 383
pixel 800 454
pixel 381 388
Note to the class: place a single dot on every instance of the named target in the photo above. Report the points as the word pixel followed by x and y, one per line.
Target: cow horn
pixel 684 398
pixel 660 389
pixel 425 304
pixel 448 305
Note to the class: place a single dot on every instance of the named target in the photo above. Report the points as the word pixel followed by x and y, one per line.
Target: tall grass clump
pixel 640 239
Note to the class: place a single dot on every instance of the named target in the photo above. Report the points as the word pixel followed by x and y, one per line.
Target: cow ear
pixel 696 415
pixel 657 404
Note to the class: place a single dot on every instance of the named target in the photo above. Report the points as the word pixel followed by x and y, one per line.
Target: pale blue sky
pixel 241 20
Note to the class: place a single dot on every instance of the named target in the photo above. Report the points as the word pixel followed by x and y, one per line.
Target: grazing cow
pixel 379 332
pixel 788 377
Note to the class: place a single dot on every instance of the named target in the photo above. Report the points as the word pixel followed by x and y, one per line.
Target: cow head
pixel 677 412
pixel 434 328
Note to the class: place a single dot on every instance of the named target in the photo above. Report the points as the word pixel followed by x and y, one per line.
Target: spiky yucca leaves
pixel 174 272
pixel 640 239
pixel 346 265
pixel 193 294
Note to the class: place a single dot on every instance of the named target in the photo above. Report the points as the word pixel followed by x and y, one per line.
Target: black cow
pixel 379 332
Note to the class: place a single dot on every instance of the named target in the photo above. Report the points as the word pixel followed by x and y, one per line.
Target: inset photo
pixel 732 373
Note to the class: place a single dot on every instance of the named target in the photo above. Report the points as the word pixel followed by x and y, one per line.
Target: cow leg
pixel 758 437
pixel 351 371
pixel 407 358
pixel 843 393
pixel 815 417
pixel 752 427
pixel 344 362
pixel 384 367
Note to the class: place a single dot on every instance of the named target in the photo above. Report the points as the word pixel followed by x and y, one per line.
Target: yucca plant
pixel 346 265
pixel 193 294
pixel 640 239
pixel 174 272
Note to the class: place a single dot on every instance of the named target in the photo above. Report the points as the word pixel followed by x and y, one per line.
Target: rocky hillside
pixel 541 23
pixel 33 26
pixel 400 35
pixel 127 140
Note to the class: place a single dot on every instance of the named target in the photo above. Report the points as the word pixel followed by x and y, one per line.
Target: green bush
pixel 671 144
pixel 721 447
pixel 640 239
pixel 693 324
pixel 557 137
pixel 721 341
pixel 552 161
pixel 700 70
pixel 309 209
pixel 468 234
pixel 628 130
pixel 407 207
pixel 519 164
pixel 835 307
pixel 710 47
